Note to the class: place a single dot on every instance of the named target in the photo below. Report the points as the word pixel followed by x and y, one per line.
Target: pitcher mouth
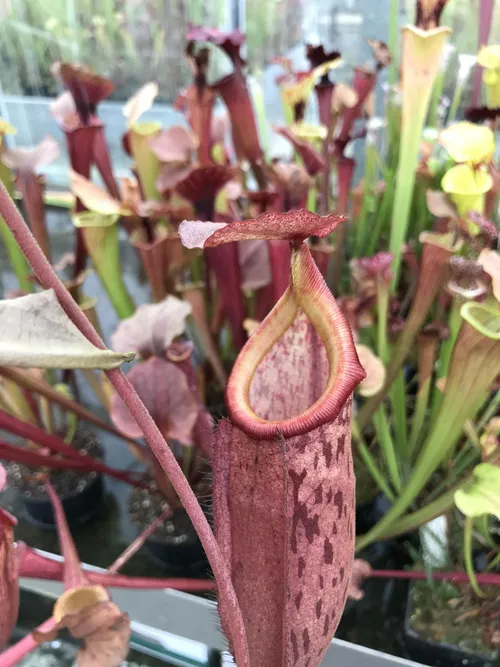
pixel 309 293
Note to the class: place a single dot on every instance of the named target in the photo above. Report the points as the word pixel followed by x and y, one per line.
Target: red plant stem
pixel 487 579
pixel 49 279
pixel 16 426
pixel 30 458
pixel 36 566
pixel 14 654
pixel 73 575
pixel 133 548
pixel 47 391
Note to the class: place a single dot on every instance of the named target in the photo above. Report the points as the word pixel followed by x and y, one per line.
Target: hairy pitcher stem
pixel 48 278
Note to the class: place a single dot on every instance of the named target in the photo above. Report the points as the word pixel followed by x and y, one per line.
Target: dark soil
pixel 453 614
pixel 29 482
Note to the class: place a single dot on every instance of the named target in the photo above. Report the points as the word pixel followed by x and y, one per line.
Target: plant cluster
pixel 327 310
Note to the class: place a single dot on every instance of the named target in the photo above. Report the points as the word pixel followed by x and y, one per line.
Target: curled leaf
pixel 35 332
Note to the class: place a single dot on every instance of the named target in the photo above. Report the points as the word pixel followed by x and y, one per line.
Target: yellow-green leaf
pixel 482 496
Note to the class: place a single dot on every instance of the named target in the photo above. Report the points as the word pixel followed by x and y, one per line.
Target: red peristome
pixel 234 92
pixel 313 161
pixel 290 226
pixel 307 293
pixel 363 83
pixel 32 188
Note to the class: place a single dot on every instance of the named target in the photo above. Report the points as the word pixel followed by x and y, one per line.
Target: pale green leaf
pixel 35 332
pixel 482 495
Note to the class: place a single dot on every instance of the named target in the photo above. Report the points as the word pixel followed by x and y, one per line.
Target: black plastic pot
pixel 79 506
pixel 180 553
pixel 438 654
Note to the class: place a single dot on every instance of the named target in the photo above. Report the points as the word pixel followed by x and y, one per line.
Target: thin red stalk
pixel 29 382
pixel 36 566
pixel 49 279
pixel 133 548
pixel 73 576
pixel 486 579
pixel 13 655
pixel 30 458
pixel 28 431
